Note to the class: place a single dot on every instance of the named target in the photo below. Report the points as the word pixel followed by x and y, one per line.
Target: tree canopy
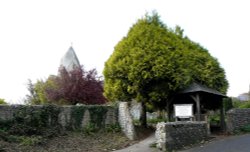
pixel 153 61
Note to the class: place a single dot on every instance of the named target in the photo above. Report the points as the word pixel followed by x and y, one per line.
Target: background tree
pixel 37 91
pixel 76 86
pixel 2 101
pixel 32 97
pixel 152 62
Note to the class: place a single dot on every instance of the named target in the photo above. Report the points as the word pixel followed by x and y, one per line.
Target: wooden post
pixel 168 108
pixel 143 118
pixel 222 117
pixel 198 106
pixel 168 111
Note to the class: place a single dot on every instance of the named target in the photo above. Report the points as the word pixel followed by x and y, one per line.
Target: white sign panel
pixel 183 110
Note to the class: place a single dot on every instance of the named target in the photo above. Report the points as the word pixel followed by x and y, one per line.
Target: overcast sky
pixel 34 35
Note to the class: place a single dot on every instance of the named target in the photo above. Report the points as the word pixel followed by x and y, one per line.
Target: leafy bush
pixel 245 128
pixel 214 119
pixel 241 104
pixel 245 104
pixel 113 128
pixel 89 129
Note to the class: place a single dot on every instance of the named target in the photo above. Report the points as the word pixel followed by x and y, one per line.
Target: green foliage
pixel 227 103
pixel 97 115
pixel 30 141
pixel 31 125
pixel 30 121
pixel 245 104
pixel 35 125
pixel 89 129
pixel 26 140
pixel 113 128
pixel 2 101
pixel 38 94
pixel 77 114
pixel 236 103
pixel 245 129
pixel 240 104
pixel 214 119
pixel 152 62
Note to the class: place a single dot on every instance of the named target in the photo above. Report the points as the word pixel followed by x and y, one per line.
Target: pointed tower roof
pixel 70 60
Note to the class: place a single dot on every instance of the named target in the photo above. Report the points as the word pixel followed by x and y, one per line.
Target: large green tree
pixel 153 61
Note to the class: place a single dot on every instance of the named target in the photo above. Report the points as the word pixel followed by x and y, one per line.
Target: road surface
pixel 239 143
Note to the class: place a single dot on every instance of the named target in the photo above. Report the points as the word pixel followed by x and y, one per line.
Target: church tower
pixel 70 60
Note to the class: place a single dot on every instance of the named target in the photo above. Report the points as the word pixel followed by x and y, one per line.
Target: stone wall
pixel 126 121
pixel 73 117
pixel 237 118
pixel 176 135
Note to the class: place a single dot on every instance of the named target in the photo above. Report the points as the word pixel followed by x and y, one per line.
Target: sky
pixel 35 34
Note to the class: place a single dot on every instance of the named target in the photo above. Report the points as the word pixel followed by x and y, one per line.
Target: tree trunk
pixel 143 118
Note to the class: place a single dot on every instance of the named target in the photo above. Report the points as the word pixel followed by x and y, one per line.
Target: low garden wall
pixel 237 119
pixel 176 135
pixel 60 117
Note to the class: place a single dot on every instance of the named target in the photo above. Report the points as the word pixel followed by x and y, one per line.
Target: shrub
pixel 113 128
pixel 241 104
pixel 245 104
pixel 245 128
pixel 214 119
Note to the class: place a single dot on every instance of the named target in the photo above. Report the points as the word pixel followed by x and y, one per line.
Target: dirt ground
pixel 77 142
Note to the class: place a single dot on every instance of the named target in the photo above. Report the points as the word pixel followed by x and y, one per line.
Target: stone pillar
pixel 160 136
pixel 125 120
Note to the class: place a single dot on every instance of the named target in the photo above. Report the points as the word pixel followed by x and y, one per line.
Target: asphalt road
pixel 230 144
pixel 239 143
